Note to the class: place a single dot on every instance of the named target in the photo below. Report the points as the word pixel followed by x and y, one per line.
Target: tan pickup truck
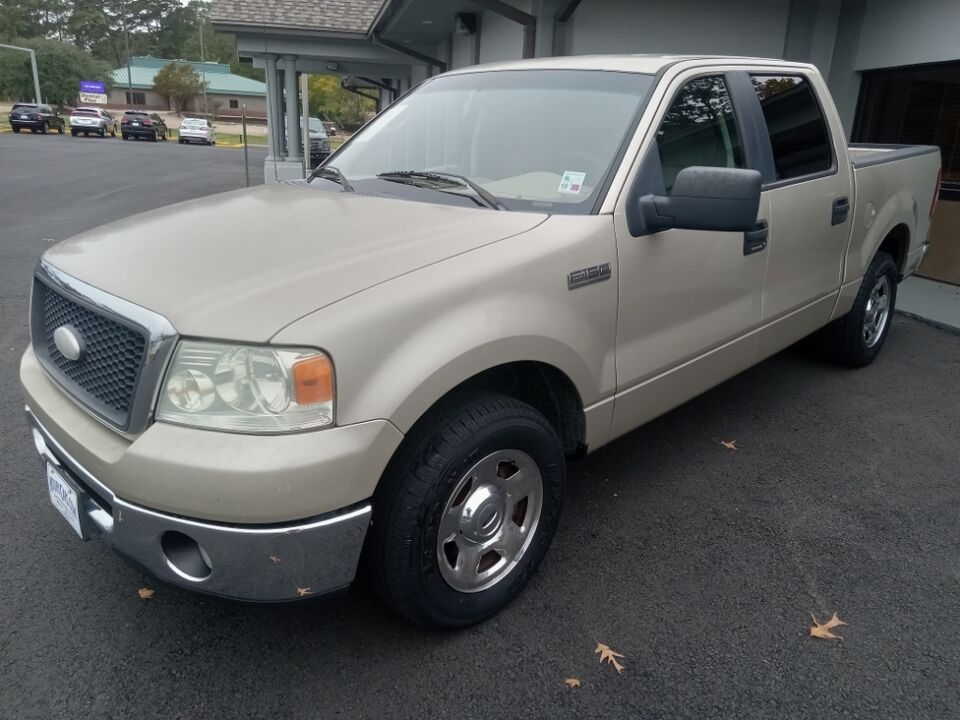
pixel 512 265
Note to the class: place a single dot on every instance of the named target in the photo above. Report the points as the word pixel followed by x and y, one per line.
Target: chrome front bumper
pixel 258 563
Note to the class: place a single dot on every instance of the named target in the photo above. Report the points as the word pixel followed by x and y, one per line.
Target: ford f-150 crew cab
pixel 242 394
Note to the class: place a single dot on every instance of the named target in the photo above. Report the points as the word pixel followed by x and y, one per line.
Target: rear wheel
pixel 155 136
pixel 102 132
pixel 45 128
pixel 16 129
pixel 60 129
pixel 73 132
pixel 857 338
pixel 467 510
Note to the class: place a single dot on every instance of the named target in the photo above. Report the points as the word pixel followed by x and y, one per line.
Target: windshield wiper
pixel 407 175
pixel 331 172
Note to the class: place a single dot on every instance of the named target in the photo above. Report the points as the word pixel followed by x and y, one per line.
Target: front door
pixel 687 297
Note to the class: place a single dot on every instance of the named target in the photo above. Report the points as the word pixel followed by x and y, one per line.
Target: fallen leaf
pixel 145 593
pixel 304 591
pixel 571 682
pixel 609 655
pixel 275 559
pixel 728 444
pixel 822 630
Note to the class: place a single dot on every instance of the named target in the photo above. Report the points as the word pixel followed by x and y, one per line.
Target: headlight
pixel 247 388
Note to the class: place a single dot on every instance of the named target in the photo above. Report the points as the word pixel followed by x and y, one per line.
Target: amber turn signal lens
pixel 313 380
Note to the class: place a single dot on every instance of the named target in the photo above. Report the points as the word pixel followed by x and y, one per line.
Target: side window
pixel 798 131
pixel 699 129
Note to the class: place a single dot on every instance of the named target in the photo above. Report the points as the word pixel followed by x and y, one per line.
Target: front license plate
pixel 64 498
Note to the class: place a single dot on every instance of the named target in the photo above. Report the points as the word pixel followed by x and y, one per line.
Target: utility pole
pixel 203 67
pixel 33 66
pixel 126 40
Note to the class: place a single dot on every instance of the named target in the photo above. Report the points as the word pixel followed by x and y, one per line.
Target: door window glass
pixel 798 132
pixel 699 129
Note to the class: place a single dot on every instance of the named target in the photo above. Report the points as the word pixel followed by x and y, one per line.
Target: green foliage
pixel 60 66
pixel 178 83
pixel 331 102
pixel 160 28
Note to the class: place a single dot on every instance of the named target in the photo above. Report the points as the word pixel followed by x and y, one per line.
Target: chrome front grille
pixel 124 348
pixel 106 376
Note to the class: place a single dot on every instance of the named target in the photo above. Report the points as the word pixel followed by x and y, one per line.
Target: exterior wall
pixel 154 101
pixel 500 38
pixel 908 33
pixel 256 106
pixel 734 27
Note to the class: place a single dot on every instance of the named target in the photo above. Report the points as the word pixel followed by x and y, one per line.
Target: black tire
pixel 402 550
pixel 180 140
pixel 60 129
pixel 102 132
pixel 73 133
pixel 45 129
pixel 845 340
pixel 155 136
pixel 124 136
pixel 15 128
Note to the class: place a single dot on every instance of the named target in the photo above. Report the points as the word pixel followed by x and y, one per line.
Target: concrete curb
pixel 932 323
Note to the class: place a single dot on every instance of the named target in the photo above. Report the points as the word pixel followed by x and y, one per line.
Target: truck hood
pixel 243 264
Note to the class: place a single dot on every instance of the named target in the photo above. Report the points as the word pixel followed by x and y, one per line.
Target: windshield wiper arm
pixel 488 198
pixel 334 173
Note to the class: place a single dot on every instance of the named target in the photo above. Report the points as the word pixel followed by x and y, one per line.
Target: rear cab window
pixel 799 138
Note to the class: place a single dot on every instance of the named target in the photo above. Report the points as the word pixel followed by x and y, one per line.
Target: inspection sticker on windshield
pixel 571 183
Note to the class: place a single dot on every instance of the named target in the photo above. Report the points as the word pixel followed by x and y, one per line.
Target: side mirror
pixel 706 198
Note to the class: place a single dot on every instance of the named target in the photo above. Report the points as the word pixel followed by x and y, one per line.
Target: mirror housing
pixel 706 198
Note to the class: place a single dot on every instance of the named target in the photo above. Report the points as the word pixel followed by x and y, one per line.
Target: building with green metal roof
pixel 227 93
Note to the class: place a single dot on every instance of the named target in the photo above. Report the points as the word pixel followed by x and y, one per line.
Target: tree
pixel 329 101
pixel 178 82
pixel 60 66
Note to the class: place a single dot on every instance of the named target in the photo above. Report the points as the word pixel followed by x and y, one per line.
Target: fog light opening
pixel 185 557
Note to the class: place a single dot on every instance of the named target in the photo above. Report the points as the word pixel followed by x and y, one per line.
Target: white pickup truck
pixel 511 266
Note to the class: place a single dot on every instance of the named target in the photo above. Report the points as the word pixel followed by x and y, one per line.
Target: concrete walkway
pixel 937 303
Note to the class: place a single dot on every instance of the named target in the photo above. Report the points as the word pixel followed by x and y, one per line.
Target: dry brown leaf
pixel 822 630
pixel 609 655
pixel 728 444
pixel 275 560
pixel 571 682
pixel 145 593
pixel 301 592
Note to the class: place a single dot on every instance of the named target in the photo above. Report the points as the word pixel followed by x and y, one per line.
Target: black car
pixel 143 124
pixel 40 118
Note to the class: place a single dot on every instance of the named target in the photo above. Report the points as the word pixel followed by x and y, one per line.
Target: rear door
pixel 807 178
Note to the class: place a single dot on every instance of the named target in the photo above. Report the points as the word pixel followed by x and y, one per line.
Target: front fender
pixel 401 346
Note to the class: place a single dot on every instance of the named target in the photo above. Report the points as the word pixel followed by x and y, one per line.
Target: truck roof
pixel 649 64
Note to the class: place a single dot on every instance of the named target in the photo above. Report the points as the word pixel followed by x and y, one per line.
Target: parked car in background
pixel 319 142
pixel 196 130
pixel 40 118
pixel 92 121
pixel 142 124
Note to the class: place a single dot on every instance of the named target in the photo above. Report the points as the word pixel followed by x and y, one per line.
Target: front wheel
pixel 467 510
pixel 856 338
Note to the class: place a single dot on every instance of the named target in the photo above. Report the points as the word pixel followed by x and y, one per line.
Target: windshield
pixel 534 139
pixel 316 126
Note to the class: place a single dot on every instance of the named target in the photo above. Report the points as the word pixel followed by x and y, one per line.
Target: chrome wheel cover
pixel 489 520
pixel 877 312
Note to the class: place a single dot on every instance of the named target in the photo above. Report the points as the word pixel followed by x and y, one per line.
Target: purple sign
pixel 92 86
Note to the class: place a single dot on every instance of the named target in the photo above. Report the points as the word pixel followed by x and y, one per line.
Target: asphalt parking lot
pixel 700 564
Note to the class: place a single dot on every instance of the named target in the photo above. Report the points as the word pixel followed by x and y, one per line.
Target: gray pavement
pixel 700 564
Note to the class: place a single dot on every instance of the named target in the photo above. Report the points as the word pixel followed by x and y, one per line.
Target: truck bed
pixel 864 154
